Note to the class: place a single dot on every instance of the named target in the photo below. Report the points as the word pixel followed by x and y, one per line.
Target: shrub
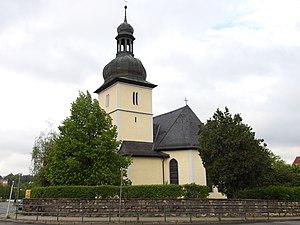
pixel 195 191
pixel 271 193
pixel 153 191
pixel 135 191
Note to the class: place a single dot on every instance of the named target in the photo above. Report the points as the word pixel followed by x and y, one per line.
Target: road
pixel 3 207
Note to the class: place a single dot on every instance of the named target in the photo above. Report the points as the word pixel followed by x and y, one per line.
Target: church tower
pixel 125 94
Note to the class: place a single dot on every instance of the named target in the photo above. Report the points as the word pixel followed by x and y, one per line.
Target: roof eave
pixel 176 148
pixel 124 80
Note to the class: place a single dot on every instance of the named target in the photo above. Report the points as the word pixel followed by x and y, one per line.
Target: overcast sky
pixel 216 53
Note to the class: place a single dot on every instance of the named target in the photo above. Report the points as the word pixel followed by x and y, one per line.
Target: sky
pixel 241 54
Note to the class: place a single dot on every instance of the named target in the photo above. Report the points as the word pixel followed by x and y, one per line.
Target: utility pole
pixel 11 190
pixel 20 174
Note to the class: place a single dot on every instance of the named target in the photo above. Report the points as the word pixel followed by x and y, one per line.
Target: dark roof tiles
pixel 177 129
pixel 142 149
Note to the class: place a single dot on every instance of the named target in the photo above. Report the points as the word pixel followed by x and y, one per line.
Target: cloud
pixel 240 54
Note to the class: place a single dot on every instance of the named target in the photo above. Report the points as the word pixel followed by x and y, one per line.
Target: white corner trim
pixel 191 167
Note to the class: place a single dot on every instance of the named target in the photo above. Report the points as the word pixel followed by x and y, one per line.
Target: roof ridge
pixel 155 138
pixel 182 109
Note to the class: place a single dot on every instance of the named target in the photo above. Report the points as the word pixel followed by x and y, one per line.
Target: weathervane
pixel 185 99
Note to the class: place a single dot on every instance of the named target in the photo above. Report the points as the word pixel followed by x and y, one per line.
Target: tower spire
pixel 125 18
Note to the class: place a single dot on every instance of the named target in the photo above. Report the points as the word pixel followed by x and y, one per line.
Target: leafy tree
pixel 282 174
pixel 85 152
pixel 40 153
pixel 233 157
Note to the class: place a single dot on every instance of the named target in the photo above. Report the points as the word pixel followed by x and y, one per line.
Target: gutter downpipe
pixel 163 170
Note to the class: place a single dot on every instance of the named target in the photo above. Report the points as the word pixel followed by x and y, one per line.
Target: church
pixel 164 148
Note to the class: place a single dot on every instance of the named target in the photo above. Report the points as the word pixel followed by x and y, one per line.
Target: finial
pixel 125 18
pixel 185 99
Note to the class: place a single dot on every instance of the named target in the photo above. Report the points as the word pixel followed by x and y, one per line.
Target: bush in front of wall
pixel 135 191
pixel 271 193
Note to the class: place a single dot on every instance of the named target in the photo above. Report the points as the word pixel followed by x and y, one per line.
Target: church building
pixel 164 148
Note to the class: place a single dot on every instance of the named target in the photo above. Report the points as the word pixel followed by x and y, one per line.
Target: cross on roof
pixel 185 99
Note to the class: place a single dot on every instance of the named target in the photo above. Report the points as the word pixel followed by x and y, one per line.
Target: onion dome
pixel 125 65
pixel 125 28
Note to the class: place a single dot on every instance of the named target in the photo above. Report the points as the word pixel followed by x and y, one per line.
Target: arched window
pixel 174 172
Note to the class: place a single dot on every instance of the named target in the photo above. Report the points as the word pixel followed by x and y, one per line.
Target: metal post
pixel 57 213
pixel 110 206
pixel 17 212
pixel 11 189
pixel 120 197
pixel 165 216
pixel 82 213
pixel 268 210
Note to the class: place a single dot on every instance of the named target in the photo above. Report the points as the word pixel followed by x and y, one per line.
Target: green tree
pixel 85 152
pixel 282 174
pixel 40 153
pixel 233 157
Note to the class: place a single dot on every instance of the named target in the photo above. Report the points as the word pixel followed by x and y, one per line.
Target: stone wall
pixel 161 207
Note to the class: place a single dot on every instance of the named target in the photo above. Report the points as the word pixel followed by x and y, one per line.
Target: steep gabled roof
pixel 177 129
pixel 297 161
pixel 141 149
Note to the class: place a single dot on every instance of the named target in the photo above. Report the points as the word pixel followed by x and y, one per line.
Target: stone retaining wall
pixel 161 207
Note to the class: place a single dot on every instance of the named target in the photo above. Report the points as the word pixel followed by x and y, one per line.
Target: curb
pixel 131 222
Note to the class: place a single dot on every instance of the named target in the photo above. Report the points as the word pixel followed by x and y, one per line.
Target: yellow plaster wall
pixel 135 126
pixel 134 122
pixel 190 167
pixel 144 170
pixel 144 98
pixel 200 172
pixel 113 94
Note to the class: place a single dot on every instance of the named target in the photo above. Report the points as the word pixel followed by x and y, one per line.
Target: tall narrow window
pixel 107 100
pixel 135 98
pixel 174 172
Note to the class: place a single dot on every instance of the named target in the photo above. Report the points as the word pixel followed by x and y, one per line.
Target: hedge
pixel 271 193
pixel 134 191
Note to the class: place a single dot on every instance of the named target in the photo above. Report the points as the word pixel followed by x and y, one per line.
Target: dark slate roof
pixel 125 65
pixel 142 149
pixel 176 130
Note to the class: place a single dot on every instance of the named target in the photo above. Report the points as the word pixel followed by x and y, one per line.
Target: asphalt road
pixel 3 207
